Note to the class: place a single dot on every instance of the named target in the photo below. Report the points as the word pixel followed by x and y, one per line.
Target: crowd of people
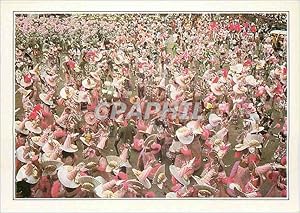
pixel 234 65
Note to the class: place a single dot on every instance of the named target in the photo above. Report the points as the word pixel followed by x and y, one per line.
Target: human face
pixel 69 161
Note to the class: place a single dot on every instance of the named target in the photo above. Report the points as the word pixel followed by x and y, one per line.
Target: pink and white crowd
pixel 234 65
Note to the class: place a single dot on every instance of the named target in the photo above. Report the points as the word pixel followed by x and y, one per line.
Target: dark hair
pixel 69 189
pixel 67 154
pixel 23 188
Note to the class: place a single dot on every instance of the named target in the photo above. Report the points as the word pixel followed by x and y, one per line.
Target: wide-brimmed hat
pixel 33 126
pixel 175 146
pixel 120 58
pixel 171 195
pixel 185 135
pixel 113 163
pixel 89 83
pixel 51 155
pixel 142 176
pixel 81 96
pixel 214 120
pixel 87 139
pixel 62 119
pixel 50 167
pixel 68 146
pixel 255 127
pixel 24 154
pixel 29 173
pixel 250 80
pixel 103 190
pixel 238 89
pixel 26 81
pixel 20 127
pixel 219 136
pixel 46 98
pixel 40 140
pixel 67 92
pixel 195 126
pixel 150 140
pixel 179 174
pixel 88 183
pixel 90 118
pixel 203 183
pixel 160 176
pixel 50 79
pixel 216 88
pixel 96 75
pixel 67 175
pixel 238 68
pixel 251 141
pixel 51 145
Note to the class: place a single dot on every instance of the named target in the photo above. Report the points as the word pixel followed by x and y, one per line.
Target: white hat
pixel 80 96
pixel 20 127
pixel 238 89
pixel 46 98
pixel 68 146
pixel 251 142
pixel 23 154
pixel 50 79
pixel 203 184
pixel 32 126
pixel 88 83
pixel 62 119
pixel 238 68
pixel 51 145
pixel 67 92
pixel 87 139
pixel 88 183
pixel 214 120
pixel 251 80
pixel 255 128
pixel 113 163
pixel 29 173
pixel 216 88
pixel 160 176
pixel 103 190
pixel 67 176
pixel 96 75
pixel 51 166
pixel 195 127
pixel 179 174
pixel 142 176
pixel 185 135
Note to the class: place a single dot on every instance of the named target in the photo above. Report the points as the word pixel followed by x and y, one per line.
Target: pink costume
pixel 240 175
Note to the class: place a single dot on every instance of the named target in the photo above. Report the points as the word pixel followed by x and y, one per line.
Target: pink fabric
pixel 234 169
pixel 242 176
pixel 137 144
pixel 263 169
pixel 155 148
pixel 59 134
pixel 109 185
pixel 55 189
pixel 147 157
